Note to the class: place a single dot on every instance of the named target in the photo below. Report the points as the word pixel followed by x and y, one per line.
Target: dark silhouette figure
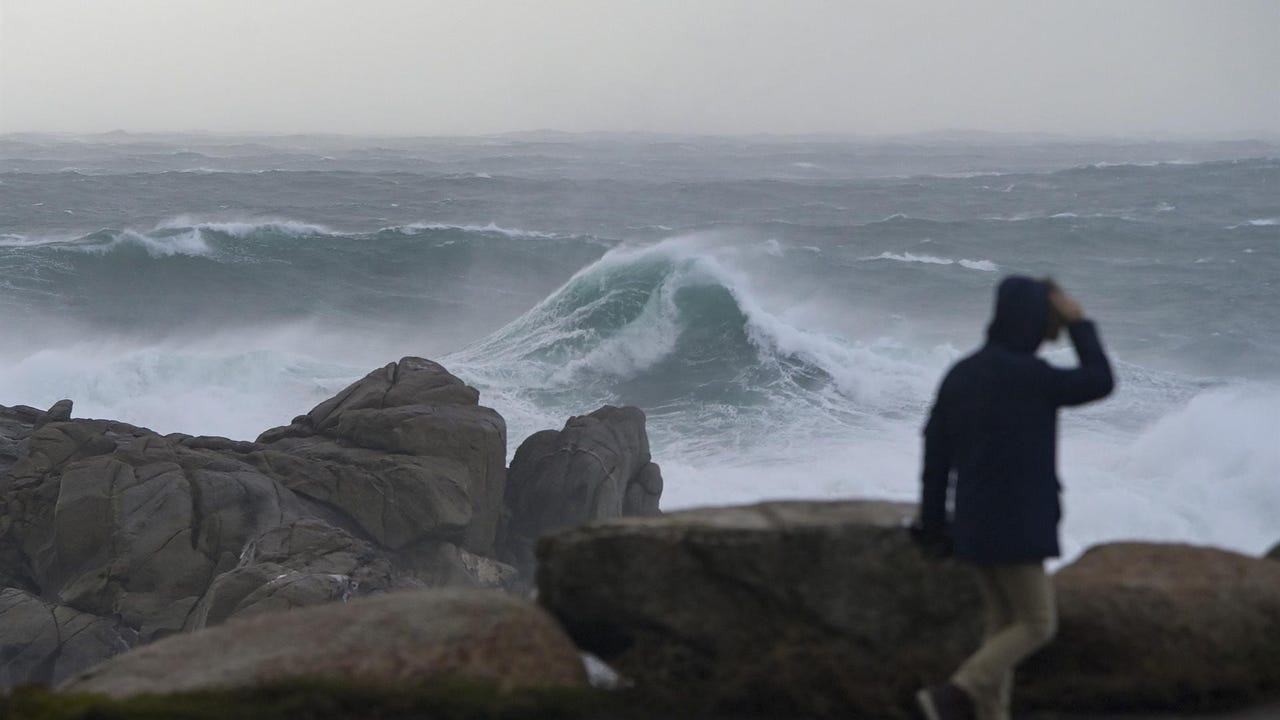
pixel 991 448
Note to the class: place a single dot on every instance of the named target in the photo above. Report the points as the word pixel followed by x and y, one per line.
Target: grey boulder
pixel 786 609
pixel 598 467
pixel 408 448
pixel 1160 626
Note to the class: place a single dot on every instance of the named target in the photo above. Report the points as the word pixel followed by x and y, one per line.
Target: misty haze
pixel 772 227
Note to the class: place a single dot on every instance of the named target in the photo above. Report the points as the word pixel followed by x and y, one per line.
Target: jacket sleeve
pixel 1090 381
pixel 937 470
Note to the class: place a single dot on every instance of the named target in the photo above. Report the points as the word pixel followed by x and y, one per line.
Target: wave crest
pixel 670 325
pixel 246 228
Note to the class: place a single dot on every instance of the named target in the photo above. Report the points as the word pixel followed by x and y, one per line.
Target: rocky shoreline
pixel 381 539
pixel 113 536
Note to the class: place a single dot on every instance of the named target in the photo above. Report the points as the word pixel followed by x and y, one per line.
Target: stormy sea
pixel 781 308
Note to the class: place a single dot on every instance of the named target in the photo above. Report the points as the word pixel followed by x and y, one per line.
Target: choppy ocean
pixel 782 309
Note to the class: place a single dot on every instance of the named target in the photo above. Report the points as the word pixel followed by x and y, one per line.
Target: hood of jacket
pixel 1021 314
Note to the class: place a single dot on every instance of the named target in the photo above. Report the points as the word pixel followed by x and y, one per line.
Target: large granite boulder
pixel 408 449
pixel 598 467
pixel 403 638
pixel 1155 626
pixel 787 609
pixel 395 483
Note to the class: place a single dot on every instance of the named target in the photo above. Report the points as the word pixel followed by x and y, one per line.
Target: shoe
pixel 945 702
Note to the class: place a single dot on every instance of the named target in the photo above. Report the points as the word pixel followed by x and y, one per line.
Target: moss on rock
pixel 326 701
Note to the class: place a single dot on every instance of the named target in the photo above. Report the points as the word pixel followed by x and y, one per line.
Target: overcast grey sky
pixel 1166 67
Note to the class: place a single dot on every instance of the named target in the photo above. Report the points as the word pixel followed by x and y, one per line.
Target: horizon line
pixel 938 134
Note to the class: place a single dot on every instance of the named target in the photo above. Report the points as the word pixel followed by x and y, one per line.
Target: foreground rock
pixel 397 639
pixel 1153 626
pixel 784 609
pixel 825 609
pixel 1274 553
pixel 598 467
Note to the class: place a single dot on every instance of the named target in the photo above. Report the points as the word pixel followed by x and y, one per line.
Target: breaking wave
pixel 674 328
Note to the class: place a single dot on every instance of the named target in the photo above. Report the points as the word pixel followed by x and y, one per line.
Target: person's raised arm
pixel 1092 380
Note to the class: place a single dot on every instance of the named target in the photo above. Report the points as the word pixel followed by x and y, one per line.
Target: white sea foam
pixel 1032 216
pixel 913 258
pixel 186 244
pixel 15 240
pixel 244 228
pixel 1260 222
pixel 637 347
pixel 1137 164
pixel 235 387
pixel 907 257
pixel 1206 469
pixel 491 229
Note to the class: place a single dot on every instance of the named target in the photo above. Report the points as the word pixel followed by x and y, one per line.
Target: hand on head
pixel 1063 310
pixel 1066 306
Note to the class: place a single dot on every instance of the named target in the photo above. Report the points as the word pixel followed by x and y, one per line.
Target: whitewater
pixel 781 309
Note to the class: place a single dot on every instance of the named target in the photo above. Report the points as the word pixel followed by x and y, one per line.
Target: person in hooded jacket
pixel 991 449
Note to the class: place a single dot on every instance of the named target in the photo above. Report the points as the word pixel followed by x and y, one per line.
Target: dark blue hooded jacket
pixel 995 426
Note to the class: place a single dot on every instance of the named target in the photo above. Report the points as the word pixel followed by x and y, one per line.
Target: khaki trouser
pixel 1020 618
